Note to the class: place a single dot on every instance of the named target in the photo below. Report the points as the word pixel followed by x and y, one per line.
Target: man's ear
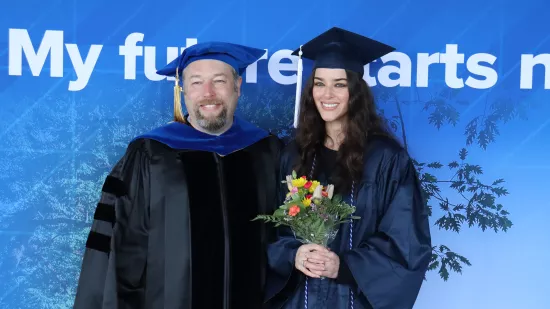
pixel 238 85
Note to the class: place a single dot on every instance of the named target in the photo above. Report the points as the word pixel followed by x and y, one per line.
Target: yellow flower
pixel 314 185
pixel 300 182
pixel 306 202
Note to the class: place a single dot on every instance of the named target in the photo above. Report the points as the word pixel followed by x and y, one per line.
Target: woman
pixel 378 261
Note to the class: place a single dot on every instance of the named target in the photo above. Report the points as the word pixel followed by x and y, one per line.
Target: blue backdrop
pixel 466 90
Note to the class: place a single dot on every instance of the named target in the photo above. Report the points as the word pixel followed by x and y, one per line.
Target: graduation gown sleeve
pixel 389 265
pixel 114 260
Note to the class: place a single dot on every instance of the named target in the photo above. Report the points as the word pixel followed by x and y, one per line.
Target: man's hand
pixel 311 259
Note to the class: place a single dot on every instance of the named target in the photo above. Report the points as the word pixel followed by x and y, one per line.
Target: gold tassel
pixel 178 114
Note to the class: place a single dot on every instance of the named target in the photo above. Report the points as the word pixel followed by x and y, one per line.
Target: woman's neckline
pixel 327 149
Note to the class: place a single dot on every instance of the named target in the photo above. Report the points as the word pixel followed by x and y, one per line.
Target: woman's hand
pixel 311 259
pixel 331 265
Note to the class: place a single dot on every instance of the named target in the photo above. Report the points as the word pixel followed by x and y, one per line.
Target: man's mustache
pixel 210 101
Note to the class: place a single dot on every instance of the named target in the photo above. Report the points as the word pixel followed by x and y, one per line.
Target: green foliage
pixel 310 210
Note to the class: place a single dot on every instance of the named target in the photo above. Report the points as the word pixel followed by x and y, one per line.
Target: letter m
pixel 20 42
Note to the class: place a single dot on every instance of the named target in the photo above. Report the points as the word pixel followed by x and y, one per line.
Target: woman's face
pixel 331 94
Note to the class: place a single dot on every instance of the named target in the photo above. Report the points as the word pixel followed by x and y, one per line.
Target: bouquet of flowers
pixel 311 211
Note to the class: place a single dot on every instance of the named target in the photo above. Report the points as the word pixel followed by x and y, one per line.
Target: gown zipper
pixel 227 257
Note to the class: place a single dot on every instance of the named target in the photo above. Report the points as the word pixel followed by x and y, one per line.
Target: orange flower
pixel 293 211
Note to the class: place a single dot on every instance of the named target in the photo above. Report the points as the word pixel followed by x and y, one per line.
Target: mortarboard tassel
pixel 178 114
pixel 298 89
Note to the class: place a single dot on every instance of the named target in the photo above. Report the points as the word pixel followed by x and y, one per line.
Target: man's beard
pixel 210 124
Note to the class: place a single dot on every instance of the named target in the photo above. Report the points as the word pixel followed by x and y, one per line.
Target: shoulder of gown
pixel 121 209
pixel 384 159
pixel 384 148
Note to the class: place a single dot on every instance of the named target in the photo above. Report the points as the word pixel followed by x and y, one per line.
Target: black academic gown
pixel 391 242
pixel 173 226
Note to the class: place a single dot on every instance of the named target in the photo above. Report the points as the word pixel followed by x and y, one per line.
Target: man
pixel 173 227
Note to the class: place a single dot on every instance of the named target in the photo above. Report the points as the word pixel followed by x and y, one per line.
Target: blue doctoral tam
pixel 237 56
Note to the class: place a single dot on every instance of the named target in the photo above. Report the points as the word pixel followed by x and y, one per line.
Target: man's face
pixel 211 94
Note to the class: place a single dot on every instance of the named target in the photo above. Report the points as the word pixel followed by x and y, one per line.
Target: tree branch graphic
pixel 474 202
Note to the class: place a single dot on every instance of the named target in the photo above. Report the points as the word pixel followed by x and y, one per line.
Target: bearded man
pixel 173 226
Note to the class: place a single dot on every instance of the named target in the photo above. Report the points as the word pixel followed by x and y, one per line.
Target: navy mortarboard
pixel 237 56
pixel 338 49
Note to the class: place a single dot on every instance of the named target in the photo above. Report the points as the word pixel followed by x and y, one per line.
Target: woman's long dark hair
pixel 363 122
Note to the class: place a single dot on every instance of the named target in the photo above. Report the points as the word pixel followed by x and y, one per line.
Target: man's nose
pixel 208 89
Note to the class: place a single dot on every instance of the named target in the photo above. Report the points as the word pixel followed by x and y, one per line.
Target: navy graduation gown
pixel 173 226
pixel 391 242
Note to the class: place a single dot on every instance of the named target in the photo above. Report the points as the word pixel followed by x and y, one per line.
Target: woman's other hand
pixel 311 260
